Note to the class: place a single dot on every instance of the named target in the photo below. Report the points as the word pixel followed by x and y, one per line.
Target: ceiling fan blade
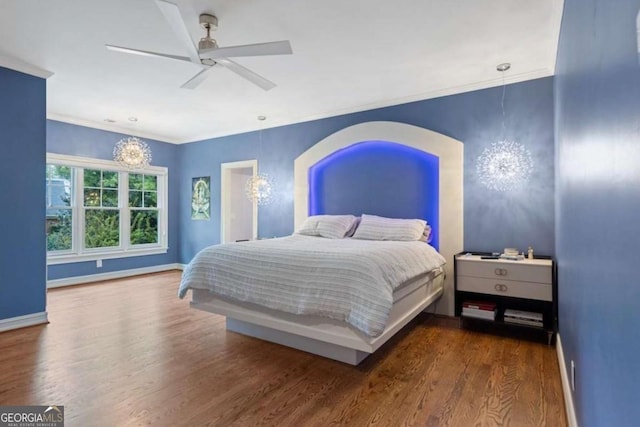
pixel 146 53
pixel 195 81
pixel 254 78
pixel 172 15
pixel 258 49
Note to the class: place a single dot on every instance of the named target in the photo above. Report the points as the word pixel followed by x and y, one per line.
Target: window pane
pixel 101 228
pixel 110 198
pixel 91 178
pixel 150 199
pixel 58 192
pixel 144 227
pixel 91 197
pixel 110 179
pixel 59 229
pixel 58 186
pixel 57 171
pixel 150 182
pixel 135 181
pixel 135 199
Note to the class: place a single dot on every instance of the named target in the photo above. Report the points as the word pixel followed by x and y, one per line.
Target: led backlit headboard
pixel 362 156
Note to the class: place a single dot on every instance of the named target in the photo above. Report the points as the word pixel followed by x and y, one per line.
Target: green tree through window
pixel 95 209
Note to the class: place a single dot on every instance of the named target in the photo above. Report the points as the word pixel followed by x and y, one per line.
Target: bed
pixel 340 298
pixel 331 335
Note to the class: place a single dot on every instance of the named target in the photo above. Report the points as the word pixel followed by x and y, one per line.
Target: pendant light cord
pixel 504 90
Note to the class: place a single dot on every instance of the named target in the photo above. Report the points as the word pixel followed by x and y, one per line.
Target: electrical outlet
pixel 573 376
pixel 98 263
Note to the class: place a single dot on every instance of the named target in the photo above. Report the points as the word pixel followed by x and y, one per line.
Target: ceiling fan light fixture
pixel 206 53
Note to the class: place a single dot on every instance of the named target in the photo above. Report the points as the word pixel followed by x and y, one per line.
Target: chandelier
pixel 505 165
pixel 132 153
pixel 260 187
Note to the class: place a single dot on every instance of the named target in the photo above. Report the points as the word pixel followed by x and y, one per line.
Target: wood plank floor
pixel 129 352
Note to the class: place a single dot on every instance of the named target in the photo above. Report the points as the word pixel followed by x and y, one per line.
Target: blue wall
pixel 492 220
pixel 63 138
pixel 22 174
pixel 598 205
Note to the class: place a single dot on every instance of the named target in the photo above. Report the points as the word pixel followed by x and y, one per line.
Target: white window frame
pixel 126 249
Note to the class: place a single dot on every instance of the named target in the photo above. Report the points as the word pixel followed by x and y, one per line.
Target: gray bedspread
pixel 344 279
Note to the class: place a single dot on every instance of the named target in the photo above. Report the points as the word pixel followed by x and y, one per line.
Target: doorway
pixel 238 214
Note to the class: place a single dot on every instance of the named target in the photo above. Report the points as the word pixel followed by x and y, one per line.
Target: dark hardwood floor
pixel 129 352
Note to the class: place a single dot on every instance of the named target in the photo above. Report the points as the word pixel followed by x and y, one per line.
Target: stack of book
pixel 479 310
pixel 523 318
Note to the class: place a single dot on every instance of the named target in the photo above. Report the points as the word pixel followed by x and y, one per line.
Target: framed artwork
pixel 200 198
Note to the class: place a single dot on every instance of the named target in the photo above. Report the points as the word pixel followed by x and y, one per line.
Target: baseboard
pixel 566 386
pixel 78 280
pixel 23 321
pixel 182 266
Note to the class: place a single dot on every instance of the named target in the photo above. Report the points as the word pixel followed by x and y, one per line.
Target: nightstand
pixel 523 285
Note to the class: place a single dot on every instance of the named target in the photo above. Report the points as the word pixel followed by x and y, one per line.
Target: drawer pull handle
pixel 501 288
pixel 500 272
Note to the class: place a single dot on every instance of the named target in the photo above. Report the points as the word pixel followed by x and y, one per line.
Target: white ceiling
pixel 347 56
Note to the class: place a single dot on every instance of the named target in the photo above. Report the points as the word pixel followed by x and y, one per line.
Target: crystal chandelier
pixel 132 153
pixel 260 187
pixel 505 165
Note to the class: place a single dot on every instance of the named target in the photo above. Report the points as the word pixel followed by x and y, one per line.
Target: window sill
pixel 93 256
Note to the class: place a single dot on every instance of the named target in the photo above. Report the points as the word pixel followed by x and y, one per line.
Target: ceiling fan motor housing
pixel 208 22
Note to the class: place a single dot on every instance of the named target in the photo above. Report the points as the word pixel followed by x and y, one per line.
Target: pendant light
pixel 132 152
pixel 506 165
pixel 260 187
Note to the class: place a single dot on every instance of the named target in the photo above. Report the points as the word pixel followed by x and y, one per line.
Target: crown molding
pixel 19 65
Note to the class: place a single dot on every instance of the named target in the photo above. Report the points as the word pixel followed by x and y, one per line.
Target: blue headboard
pixel 378 178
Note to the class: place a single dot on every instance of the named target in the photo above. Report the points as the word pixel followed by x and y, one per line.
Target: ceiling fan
pixel 208 53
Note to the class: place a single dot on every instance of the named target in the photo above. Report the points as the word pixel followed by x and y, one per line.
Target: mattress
pixel 344 279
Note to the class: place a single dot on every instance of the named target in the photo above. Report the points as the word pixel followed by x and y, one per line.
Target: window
pixel 101 213
pixel 143 205
pixel 96 210
pixel 59 209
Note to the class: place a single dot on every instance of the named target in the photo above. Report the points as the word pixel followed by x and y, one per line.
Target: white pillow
pixel 329 226
pixel 373 227
pixel 427 236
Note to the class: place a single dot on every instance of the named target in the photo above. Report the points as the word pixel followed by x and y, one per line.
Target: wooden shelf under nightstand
pixel 526 285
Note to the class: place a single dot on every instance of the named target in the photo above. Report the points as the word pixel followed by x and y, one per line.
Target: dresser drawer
pixel 506 288
pixel 505 271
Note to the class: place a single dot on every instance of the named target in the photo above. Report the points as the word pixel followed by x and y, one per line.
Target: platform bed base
pixel 324 337
pixel 310 345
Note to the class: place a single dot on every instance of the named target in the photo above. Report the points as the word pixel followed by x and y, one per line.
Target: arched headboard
pixel 449 153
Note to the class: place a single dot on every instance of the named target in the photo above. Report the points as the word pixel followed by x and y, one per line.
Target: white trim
pixel 566 387
pixel 181 266
pixel 225 205
pixel 89 163
pixel 19 65
pixel 115 128
pixel 81 280
pixel 422 96
pixel 23 321
pixel 125 249
pixel 94 256
pixel 451 159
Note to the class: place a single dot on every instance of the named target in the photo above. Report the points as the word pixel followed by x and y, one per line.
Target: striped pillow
pixel 329 226
pixel 373 227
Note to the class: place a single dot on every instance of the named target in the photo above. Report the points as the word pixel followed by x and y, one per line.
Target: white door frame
pixel 225 205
